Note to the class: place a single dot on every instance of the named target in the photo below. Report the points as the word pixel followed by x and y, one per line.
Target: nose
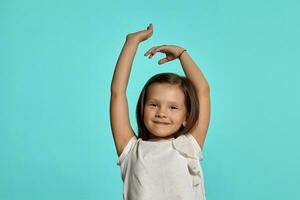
pixel 160 113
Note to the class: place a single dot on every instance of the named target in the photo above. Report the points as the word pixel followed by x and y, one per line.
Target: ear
pixel 185 121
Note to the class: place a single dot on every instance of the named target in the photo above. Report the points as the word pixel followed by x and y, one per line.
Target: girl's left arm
pixel 194 74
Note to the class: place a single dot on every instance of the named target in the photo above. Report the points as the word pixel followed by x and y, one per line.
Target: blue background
pixel 56 63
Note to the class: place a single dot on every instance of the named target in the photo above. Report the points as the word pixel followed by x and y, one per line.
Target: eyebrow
pixel 172 102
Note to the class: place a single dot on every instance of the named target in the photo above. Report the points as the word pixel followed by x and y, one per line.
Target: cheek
pixel 147 113
pixel 181 117
pixel 176 118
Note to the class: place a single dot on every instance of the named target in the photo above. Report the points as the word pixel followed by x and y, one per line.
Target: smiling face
pixel 164 110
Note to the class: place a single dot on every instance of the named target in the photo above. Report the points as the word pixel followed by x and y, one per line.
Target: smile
pixel 161 123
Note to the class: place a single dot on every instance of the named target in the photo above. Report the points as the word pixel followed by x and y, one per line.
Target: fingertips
pixel 150 27
pixel 149 54
pixel 146 54
pixel 153 53
pixel 149 51
pixel 162 61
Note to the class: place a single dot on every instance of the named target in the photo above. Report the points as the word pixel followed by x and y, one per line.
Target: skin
pixel 165 103
pixel 119 115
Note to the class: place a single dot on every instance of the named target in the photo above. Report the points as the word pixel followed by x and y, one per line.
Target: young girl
pixel 173 112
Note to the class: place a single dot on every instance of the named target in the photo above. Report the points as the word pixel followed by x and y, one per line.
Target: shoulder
pixel 187 145
pixel 127 149
pixel 193 140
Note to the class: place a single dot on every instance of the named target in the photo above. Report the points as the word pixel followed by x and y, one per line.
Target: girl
pixel 173 114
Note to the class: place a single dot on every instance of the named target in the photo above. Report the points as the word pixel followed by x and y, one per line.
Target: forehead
pixel 165 92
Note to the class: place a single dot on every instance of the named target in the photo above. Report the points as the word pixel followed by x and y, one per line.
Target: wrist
pixel 130 39
pixel 182 52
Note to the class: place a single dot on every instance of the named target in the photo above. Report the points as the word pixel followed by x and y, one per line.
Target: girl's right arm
pixel 119 117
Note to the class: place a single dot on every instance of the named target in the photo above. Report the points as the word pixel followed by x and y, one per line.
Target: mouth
pixel 161 123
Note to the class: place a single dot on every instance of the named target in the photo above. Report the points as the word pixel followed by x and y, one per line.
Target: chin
pixel 163 135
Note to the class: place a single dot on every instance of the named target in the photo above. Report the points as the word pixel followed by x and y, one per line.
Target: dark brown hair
pixel 191 102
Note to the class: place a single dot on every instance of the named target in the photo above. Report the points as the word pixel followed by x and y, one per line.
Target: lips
pixel 159 122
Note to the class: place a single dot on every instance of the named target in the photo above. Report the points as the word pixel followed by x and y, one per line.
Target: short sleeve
pixel 126 150
pixel 195 145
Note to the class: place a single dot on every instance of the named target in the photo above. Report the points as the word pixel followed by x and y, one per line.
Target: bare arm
pixel 119 114
pixel 123 67
pixel 119 117
pixel 194 74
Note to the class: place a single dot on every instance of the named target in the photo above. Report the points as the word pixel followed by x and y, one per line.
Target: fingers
pixel 150 51
pixel 162 61
pixel 166 59
pixel 150 27
pixel 160 49
pixel 155 49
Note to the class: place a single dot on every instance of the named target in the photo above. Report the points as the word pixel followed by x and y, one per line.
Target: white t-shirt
pixel 162 169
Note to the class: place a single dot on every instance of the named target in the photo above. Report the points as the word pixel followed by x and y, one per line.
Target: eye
pixel 173 107
pixel 153 104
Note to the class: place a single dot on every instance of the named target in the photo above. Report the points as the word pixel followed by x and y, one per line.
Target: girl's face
pixel 164 110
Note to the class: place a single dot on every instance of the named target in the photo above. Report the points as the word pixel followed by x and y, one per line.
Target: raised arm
pixel 194 74
pixel 123 67
pixel 119 117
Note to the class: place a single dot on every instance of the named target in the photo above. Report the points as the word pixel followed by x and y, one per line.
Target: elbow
pixel 117 92
pixel 204 90
pixel 117 88
pixel 205 86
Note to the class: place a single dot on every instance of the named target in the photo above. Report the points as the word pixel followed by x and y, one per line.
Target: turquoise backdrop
pixel 56 63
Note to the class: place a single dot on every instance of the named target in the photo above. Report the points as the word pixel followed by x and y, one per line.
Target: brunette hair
pixel 191 102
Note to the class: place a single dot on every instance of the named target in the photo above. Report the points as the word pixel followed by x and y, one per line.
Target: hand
pixel 172 52
pixel 140 36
